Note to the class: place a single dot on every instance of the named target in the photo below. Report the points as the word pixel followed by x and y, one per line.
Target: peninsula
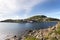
pixel 37 18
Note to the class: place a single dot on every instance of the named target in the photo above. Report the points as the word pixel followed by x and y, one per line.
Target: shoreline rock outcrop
pixel 52 33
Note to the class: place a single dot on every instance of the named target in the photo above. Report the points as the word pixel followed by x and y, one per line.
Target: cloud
pixel 10 7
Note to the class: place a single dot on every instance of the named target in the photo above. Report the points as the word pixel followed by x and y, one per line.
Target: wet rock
pixel 7 39
pixel 13 38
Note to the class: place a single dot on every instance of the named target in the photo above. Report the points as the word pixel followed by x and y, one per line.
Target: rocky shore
pixel 51 33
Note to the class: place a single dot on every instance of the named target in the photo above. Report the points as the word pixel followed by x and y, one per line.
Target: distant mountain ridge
pixel 37 18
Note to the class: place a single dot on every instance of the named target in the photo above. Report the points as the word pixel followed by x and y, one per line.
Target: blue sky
pixel 21 9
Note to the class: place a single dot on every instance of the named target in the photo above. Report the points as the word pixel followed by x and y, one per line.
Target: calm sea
pixel 11 29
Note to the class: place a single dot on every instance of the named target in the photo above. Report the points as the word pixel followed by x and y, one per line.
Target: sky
pixel 21 9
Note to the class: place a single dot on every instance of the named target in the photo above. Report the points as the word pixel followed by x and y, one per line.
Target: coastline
pixel 38 34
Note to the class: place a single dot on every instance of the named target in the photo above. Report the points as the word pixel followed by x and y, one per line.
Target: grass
pixel 31 38
pixel 53 38
pixel 58 29
pixel 47 37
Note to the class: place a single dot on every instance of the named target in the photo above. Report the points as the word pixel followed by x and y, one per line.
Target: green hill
pixel 37 18
pixel 40 18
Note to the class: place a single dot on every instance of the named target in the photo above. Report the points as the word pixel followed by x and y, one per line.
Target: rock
pixel 53 28
pixel 13 38
pixel 7 39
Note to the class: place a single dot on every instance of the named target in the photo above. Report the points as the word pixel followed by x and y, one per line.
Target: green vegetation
pixel 53 38
pixel 56 35
pixel 31 38
pixel 51 34
pixel 37 18
pixel 57 31
pixel 52 19
pixel 42 18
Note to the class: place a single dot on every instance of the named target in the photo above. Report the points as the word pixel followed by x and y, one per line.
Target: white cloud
pixel 10 7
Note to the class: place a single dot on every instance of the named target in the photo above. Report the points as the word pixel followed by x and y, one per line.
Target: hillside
pixel 37 18
pixel 42 18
